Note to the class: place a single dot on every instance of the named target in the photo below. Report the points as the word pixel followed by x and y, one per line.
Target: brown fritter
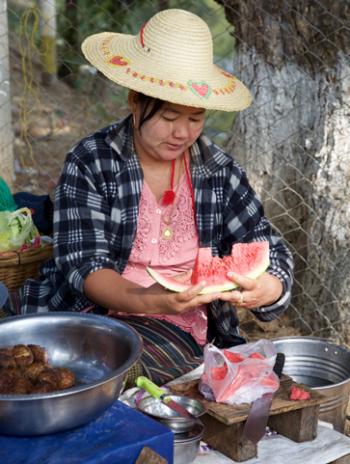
pixel 40 354
pixel 21 386
pixel 42 387
pixel 6 358
pixel 7 379
pixel 33 371
pixel 66 378
pixel 48 375
pixel 25 369
pixel 23 355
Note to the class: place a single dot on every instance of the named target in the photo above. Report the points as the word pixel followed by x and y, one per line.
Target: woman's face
pixel 169 133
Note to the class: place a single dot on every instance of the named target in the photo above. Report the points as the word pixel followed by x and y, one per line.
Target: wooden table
pixel 295 420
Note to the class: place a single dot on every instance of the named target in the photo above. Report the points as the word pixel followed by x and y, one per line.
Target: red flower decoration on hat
pixel 119 60
pixel 201 89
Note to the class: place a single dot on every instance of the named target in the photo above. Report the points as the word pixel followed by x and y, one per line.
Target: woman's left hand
pixel 262 291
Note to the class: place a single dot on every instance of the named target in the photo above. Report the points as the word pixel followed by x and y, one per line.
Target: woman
pixel 151 189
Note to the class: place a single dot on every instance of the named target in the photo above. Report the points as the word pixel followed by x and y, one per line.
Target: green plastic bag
pixel 17 229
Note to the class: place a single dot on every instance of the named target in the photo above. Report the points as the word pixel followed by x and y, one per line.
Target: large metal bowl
pixel 98 349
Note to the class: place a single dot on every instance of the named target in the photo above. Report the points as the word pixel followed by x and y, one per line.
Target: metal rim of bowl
pixel 195 433
pixel 310 339
pixel 176 418
pixel 80 388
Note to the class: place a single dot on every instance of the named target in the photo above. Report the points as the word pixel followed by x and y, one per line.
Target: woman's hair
pixel 149 107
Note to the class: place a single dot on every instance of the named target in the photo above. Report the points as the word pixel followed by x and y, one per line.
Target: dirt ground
pixel 48 121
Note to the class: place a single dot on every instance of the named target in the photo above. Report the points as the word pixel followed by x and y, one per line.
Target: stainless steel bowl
pixel 186 444
pixel 323 366
pixel 161 412
pixel 98 349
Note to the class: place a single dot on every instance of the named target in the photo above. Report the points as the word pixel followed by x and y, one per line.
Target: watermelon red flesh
pixel 247 259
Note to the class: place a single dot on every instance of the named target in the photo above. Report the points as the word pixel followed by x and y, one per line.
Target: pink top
pixel 167 255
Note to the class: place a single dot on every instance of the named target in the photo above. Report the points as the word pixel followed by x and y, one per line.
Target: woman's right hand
pixel 162 301
pixel 108 289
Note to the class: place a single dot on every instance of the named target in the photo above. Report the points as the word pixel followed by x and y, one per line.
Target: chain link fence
pixel 51 114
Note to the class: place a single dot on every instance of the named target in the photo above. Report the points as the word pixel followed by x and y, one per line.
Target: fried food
pixel 24 369
pixel 6 358
pixel 39 353
pixel 66 378
pixel 23 355
pixel 43 387
pixel 21 386
pixel 33 371
pixel 49 375
pixel 7 380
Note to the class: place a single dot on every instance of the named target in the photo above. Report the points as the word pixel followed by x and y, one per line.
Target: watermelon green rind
pixel 226 285
pixel 175 286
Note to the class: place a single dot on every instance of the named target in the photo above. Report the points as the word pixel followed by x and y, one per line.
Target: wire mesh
pixel 285 155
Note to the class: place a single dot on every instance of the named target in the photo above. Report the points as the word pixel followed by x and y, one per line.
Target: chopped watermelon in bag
pixel 256 356
pixel 233 357
pixel 219 373
pixel 240 374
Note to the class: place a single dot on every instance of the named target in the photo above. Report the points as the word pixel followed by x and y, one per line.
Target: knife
pixel 258 416
pixel 163 396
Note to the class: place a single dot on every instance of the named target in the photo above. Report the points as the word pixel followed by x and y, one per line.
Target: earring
pixel 134 120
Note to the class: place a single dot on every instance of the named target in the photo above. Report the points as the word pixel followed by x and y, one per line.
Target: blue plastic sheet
pixel 116 437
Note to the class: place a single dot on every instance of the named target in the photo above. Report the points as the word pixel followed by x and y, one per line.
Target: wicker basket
pixel 16 267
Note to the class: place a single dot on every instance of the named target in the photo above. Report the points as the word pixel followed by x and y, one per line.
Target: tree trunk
pixel 68 69
pixel 6 134
pixel 294 142
pixel 48 31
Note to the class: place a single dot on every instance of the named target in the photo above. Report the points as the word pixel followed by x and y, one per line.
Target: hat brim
pixel 120 58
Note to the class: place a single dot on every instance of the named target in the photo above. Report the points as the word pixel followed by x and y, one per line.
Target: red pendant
pixel 168 197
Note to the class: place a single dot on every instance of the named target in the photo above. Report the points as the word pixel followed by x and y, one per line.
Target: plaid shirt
pixel 95 220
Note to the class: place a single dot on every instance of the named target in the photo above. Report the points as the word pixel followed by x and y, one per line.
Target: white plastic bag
pixel 240 374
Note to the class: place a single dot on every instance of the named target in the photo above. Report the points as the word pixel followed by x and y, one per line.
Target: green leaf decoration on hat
pixel 200 89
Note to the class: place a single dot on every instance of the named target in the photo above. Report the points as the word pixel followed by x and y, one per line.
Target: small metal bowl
pixel 186 444
pixel 162 413
pixel 98 349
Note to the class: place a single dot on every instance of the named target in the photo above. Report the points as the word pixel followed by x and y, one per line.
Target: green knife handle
pixel 150 387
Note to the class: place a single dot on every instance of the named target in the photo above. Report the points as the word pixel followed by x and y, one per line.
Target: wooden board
pixel 224 423
pixel 148 456
pixel 232 414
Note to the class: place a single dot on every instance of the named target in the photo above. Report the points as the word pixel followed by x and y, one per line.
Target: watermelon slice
pixel 248 259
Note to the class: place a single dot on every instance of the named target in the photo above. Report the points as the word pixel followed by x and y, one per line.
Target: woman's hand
pixel 108 289
pixel 162 301
pixel 262 291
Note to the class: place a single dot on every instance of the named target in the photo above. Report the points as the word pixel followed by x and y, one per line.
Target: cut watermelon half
pixel 248 259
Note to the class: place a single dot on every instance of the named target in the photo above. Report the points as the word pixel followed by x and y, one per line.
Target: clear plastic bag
pixel 240 374
pixel 17 229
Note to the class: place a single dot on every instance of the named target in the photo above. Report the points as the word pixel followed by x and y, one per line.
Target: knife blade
pixel 163 396
pixel 258 416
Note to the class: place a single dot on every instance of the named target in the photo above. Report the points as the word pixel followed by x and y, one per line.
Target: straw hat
pixel 171 58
